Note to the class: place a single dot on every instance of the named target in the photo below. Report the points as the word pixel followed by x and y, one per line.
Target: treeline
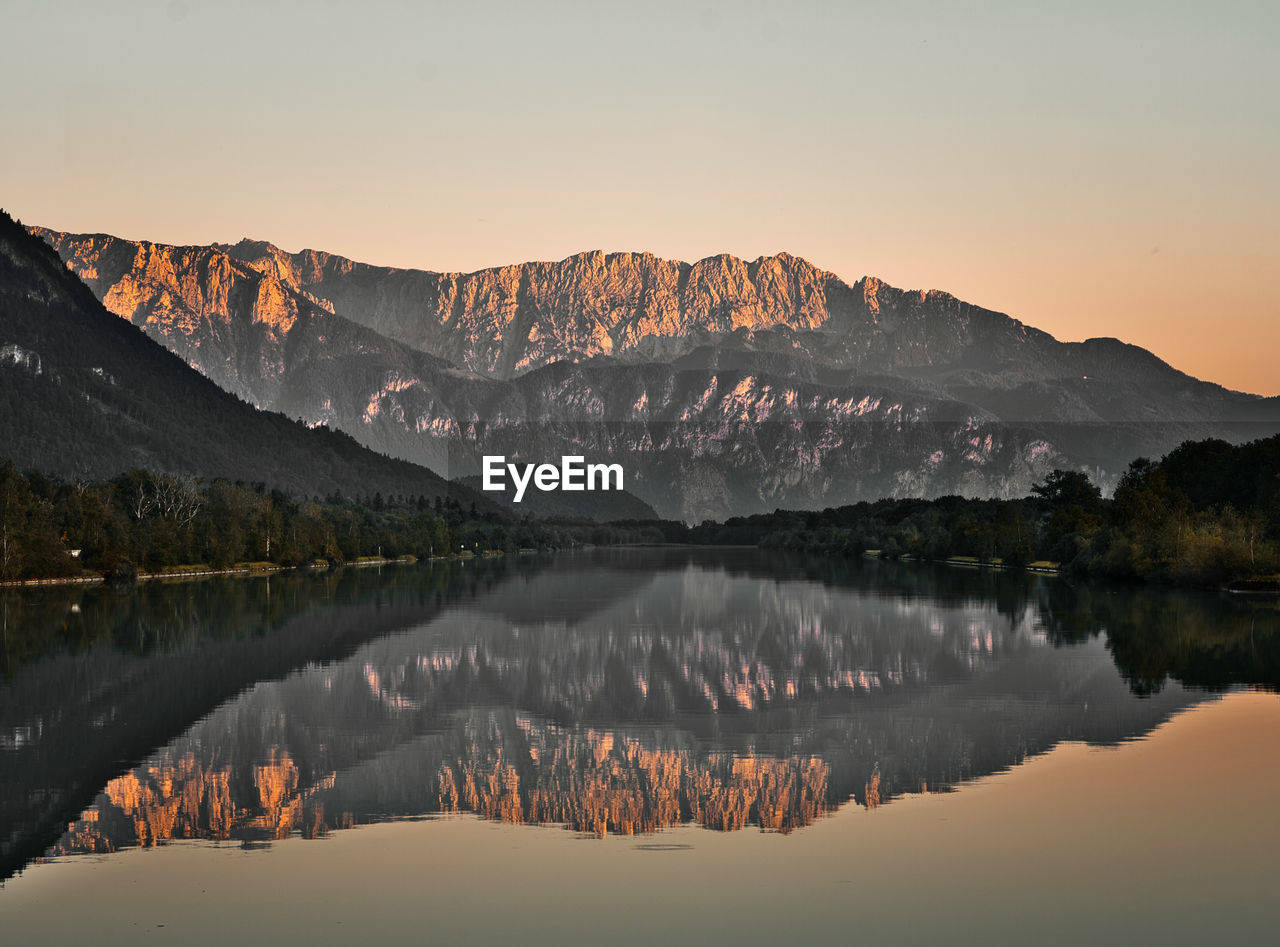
pixel 150 522
pixel 1207 513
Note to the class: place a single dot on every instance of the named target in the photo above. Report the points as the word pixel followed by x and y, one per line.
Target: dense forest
pixel 1205 514
pixel 141 521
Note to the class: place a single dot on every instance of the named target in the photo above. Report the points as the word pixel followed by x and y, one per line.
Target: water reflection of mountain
pixel 97 681
pixel 619 693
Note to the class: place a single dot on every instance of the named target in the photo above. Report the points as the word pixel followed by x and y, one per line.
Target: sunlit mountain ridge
pixel 724 386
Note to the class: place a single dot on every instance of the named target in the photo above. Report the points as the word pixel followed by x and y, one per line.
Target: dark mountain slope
pixel 84 394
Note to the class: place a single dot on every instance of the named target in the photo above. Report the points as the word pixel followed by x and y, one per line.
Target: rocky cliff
pixel 505 321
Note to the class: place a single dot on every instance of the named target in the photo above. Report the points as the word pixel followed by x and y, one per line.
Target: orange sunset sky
pixel 1089 168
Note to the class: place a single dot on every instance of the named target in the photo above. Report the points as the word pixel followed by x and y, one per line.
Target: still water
pixel 698 744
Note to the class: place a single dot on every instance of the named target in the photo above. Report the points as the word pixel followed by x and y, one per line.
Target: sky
pixel 1093 169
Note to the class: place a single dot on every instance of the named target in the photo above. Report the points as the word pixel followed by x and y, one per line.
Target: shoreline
pixel 207 573
pixel 969 562
pixel 1249 587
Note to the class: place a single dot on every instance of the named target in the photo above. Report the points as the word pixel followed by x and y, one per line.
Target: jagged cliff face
pixel 508 321
pixel 512 319
pixel 724 386
pixel 221 317
pixel 636 307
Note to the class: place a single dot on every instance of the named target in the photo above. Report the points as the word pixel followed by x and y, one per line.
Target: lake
pixel 617 745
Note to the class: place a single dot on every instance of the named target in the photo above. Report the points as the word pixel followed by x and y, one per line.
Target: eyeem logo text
pixel 574 473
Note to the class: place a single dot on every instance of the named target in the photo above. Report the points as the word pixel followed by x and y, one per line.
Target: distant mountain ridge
pixel 635 307
pixel 727 386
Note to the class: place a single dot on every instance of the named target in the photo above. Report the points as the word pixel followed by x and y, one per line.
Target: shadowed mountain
pixel 726 386
pixel 86 395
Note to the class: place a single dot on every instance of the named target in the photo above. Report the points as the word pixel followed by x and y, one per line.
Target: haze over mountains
pixel 723 386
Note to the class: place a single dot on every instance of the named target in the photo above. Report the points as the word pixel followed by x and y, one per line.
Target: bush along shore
pixel 125 575
pixel 1208 513
pixel 142 525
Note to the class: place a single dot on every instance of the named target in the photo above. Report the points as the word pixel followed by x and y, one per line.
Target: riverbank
pixel 182 573
pixel 1043 567
pixel 1255 586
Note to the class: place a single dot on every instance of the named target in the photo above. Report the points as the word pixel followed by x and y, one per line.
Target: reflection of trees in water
pixel 721 701
pixel 69 717
pixel 625 691
pixel 1199 639
pixel 167 616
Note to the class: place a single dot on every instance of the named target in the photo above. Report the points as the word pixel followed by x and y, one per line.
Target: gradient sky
pixel 1091 171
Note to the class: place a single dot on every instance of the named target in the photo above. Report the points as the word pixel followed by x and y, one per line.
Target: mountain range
pixel 84 395
pixel 722 386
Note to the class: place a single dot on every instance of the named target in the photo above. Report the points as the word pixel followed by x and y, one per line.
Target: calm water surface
pixel 709 745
